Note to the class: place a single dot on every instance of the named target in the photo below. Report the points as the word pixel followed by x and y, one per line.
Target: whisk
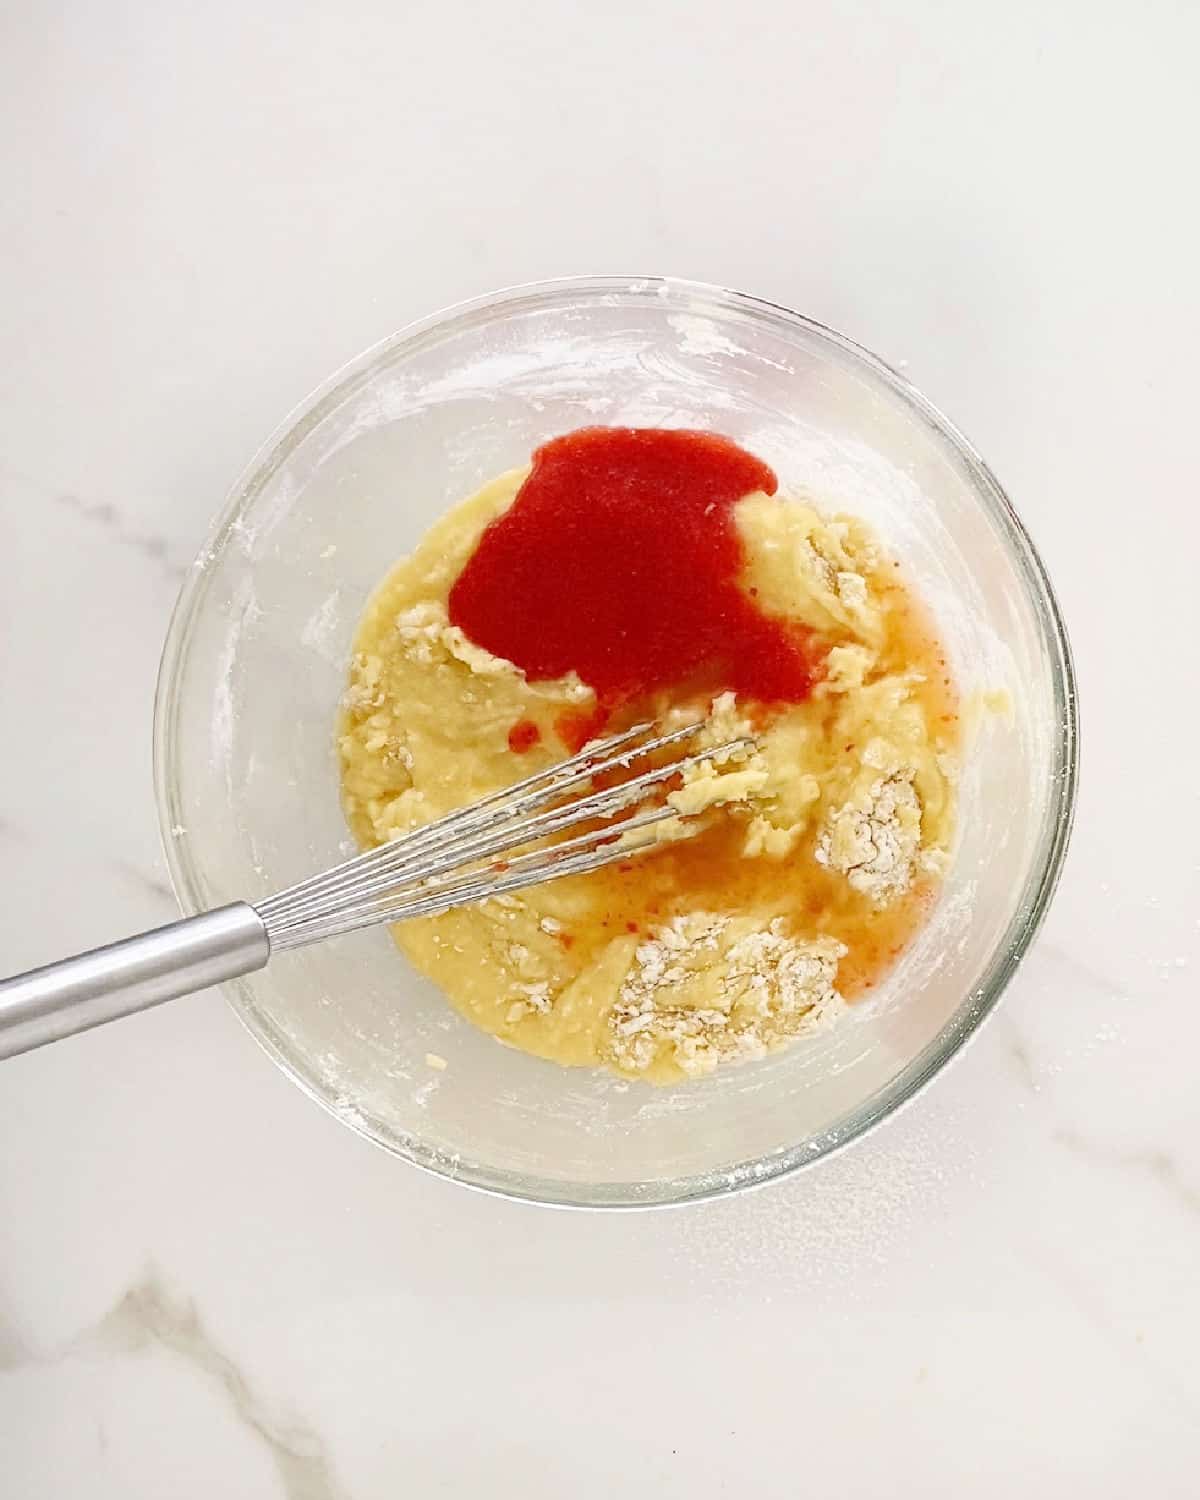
pixel 455 861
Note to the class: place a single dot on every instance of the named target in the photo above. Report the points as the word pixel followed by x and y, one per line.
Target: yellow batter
pixel 797 895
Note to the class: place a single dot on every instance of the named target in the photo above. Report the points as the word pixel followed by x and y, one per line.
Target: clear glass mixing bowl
pixel 255 663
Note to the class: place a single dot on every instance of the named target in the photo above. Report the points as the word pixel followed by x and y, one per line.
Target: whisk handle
pixel 87 990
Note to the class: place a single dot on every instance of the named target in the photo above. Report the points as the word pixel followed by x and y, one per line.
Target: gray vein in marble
pixel 155 885
pixel 149 544
pixel 1159 1165
pixel 14 1352
pixel 1017 1050
pixel 1130 1349
pixel 105 515
pixel 149 1317
pixel 1091 977
pixel 1023 1062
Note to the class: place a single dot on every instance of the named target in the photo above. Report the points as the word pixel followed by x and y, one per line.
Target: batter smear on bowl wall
pixel 651 574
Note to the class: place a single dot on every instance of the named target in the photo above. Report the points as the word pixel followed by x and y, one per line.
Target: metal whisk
pixel 455 861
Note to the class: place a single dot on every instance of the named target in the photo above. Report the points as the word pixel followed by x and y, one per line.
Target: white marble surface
pixel 207 1286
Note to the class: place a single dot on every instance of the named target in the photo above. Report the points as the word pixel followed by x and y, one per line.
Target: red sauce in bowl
pixel 619 560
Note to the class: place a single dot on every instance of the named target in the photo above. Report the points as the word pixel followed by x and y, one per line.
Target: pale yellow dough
pixel 847 802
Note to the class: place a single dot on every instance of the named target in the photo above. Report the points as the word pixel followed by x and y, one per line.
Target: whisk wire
pixel 529 793
pixel 590 853
pixel 467 856
pixel 430 870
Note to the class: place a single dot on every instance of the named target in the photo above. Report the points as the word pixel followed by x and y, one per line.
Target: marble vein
pixel 154 885
pixel 1022 1060
pixel 1159 1165
pixel 14 1352
pixel 108 518
pixel 149 1317
pixel 149 544
pixel 1023 1064
pixel 1129 1348
pixel 1082 970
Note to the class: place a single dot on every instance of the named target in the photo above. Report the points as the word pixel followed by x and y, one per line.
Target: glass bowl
pixel 255 663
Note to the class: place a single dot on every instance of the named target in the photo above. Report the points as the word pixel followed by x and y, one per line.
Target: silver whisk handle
pixel 76 993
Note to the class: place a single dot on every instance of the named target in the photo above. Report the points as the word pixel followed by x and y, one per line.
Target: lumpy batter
pixel 634 574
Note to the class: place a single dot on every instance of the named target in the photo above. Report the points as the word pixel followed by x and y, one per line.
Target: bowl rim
pixel 1010 949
